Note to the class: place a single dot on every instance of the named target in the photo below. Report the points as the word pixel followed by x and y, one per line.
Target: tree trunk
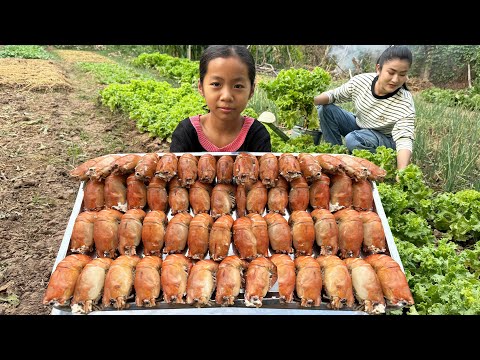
pixel 427 67
pixel 469 76
pixel 327 50
pixel 289 56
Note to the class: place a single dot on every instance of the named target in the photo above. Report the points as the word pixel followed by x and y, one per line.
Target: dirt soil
pixel 44 135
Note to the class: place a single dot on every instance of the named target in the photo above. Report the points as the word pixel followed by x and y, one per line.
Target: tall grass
pixel 447 146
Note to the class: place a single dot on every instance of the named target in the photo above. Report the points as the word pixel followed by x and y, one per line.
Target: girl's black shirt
pixel 185 138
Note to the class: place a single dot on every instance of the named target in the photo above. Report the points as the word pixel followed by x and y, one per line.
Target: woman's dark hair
pixel 394 52
pixel 226 51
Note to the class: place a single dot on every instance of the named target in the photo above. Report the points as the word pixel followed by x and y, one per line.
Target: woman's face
pixel 226 87
pixel 392 76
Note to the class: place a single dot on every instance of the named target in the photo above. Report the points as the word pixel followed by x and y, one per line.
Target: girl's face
pixel 392 76
pixel 226 88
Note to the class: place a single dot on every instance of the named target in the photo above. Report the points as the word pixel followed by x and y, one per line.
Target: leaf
pixel 12 299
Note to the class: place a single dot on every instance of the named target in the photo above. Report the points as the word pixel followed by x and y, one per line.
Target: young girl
pixel 227 80
pixel 384 109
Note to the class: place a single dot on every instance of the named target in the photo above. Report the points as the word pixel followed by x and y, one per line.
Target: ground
pixel 44 135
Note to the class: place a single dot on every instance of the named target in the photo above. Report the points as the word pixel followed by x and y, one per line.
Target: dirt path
pixel 43 135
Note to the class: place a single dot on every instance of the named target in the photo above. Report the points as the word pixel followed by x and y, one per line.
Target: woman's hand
pixel 403 158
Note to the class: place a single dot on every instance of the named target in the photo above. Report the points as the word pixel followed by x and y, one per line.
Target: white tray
pixel 270 304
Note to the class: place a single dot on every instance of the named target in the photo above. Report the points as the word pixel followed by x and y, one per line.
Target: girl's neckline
pixel 233 146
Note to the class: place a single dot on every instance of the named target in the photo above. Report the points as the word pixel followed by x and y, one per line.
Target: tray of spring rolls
pixel 227 233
